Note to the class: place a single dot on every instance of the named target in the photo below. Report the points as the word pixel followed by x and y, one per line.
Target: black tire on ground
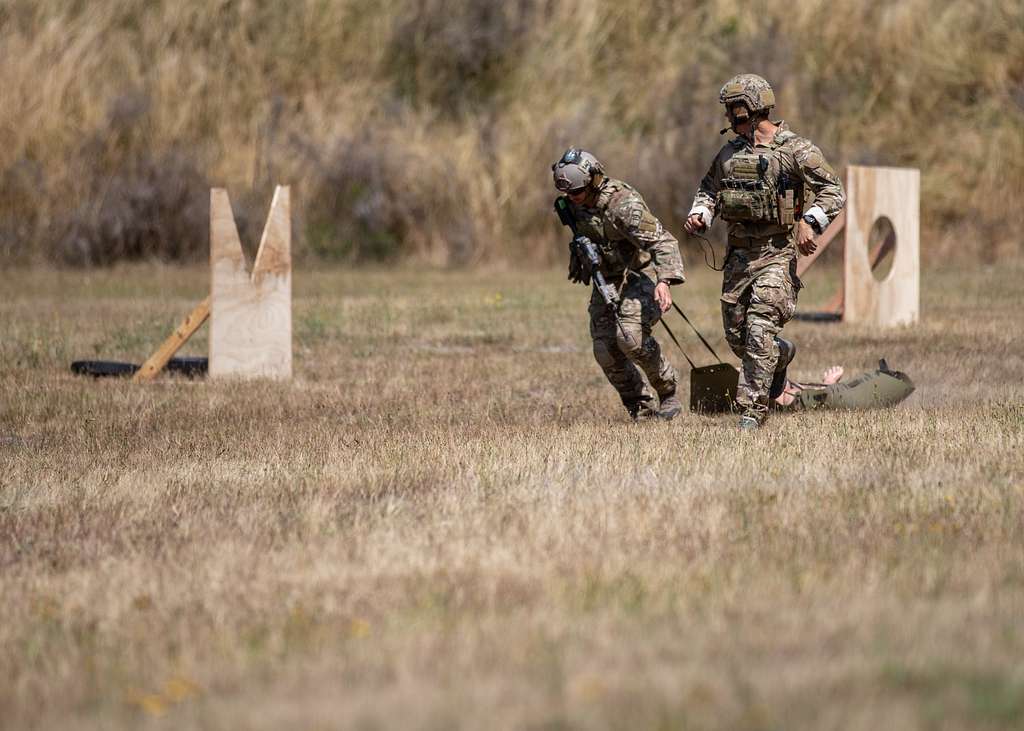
pixel 189 367
pixel 103 368
pixel 818 316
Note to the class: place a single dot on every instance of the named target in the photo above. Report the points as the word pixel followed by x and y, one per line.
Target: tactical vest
pixel 753 193
pixel 617 253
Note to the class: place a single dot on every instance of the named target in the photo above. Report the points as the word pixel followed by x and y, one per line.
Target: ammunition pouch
pixel 749 195
pixel 746 201
pixel 746 195
pixel 788 206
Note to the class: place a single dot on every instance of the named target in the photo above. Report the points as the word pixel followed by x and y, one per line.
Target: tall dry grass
pixel 424 128
pixel 446 521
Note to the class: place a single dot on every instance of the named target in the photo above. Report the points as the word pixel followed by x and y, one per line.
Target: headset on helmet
pixel 575 170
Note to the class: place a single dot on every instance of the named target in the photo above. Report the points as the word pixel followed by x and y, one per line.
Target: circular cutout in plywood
pixel 881 248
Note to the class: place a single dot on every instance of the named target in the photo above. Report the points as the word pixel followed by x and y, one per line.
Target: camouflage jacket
pixel 628 235
pixel 767 243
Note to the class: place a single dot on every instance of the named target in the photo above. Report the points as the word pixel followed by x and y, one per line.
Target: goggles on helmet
pixel 575 170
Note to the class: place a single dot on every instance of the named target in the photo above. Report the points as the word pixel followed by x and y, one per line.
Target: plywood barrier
pixel 250 314
pixel 874 193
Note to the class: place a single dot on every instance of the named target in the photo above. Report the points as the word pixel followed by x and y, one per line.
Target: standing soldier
pixel 757 183
pixel 639 260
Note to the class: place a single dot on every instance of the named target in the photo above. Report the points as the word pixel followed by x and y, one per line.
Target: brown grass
pixel 425 129
pixel 445 521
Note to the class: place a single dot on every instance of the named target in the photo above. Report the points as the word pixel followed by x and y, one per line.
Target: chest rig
pixel 757 190
pixel 616 251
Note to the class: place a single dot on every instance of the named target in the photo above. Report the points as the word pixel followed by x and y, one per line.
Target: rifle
pixel 583 250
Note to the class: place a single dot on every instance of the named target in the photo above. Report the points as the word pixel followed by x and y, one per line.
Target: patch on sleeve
pixel 648 224
pixel 635 217
pixel 812 158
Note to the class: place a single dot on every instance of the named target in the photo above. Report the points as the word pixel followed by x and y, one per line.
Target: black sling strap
pixel 706 343
pixel 676 341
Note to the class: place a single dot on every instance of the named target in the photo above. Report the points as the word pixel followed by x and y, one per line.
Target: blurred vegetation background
pixel 425 129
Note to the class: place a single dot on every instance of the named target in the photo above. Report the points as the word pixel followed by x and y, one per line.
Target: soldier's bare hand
pixel 663 296
pixel 805 238
pixel 694 223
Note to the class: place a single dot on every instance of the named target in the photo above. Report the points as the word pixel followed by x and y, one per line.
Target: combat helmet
pixel 750 89
pixel 576 169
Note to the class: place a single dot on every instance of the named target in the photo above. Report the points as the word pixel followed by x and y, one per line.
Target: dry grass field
pixel 445 521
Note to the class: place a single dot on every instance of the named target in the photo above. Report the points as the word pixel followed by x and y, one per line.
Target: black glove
pixel 579 269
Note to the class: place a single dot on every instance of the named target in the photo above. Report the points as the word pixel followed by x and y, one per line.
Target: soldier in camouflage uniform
pixel 758 183
pixel 641 260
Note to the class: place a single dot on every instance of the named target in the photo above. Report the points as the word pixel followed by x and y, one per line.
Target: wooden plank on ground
pixel 155 363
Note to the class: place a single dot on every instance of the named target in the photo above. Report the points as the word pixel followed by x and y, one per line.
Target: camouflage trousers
pixel 751 325
pixel 627 357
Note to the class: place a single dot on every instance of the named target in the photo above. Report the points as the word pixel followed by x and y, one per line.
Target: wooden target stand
pixel 250 313
pixel 873 194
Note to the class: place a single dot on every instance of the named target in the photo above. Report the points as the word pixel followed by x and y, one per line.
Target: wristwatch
pixel 813 223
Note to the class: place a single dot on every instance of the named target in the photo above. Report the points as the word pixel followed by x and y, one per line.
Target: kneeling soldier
pixel 639 260
pixel 757 184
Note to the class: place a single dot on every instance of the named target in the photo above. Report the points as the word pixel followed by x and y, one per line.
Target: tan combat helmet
pixel 576 169
pixel 750 89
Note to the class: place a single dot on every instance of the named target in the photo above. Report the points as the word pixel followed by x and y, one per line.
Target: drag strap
pixel 674 340
pixel 706 343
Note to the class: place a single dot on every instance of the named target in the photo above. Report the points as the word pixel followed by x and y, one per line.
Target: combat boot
pixel 749 423
pixel 670 407
pixel 640 409
pixel 787 352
